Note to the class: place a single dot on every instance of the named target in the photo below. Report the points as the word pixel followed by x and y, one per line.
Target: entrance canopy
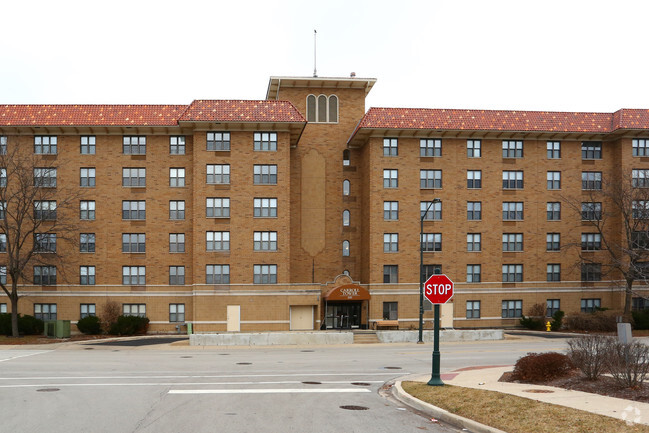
pixel 347 292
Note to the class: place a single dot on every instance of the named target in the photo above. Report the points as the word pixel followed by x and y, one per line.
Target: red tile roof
pixel 241 111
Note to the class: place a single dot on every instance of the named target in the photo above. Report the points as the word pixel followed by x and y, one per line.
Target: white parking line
pixel 267 391
pixel 292 382
pixel 24 355
pixel 214 376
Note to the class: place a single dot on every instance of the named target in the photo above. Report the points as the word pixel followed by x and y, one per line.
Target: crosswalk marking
pixel 268 391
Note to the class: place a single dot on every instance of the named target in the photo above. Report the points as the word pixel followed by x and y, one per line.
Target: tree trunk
pixel 14 315
pixel 628 297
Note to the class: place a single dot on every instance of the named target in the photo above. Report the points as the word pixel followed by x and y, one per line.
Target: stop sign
pixel 438 289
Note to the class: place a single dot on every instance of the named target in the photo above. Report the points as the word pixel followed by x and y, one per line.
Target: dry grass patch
pixel 516 414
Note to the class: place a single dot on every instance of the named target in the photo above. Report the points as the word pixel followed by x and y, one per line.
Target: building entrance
pixel 343 315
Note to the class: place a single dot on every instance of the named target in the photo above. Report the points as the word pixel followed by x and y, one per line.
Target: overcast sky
pixel 567 55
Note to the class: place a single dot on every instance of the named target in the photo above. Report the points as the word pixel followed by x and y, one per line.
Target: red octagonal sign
pixel 438 289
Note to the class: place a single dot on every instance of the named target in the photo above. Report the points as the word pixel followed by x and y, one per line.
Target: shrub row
pixel 538 367
pixel 27 325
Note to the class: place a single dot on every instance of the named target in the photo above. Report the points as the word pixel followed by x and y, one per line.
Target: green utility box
pixel 57 328
pixel 189 328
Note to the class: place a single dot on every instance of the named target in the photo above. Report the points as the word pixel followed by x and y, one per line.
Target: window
pixel 512 273
pixel 218 141
pixel 134 177
pixel 472 309
pixel 474 210
pixel 554 149
pixel 640 147
pixel 390 242
pixel 473 148
pixel 323 109
pixel 3 210
pixel 346 187
pixel 176 275
pixel 640 178
pixel 512 210
pixel 512 179
pixel 3 243
pixel 553 272
pixel 177 209
pixel 265 241
pixel 217 207
pixel 87 310
pixel 3 306
pixel 45 275
pixel 3 177
pixel 390 147
pixel 45 144
pixel 553 210
pixel 637 303
pixel 134 210
pixel 553 241
pixel 552 306
pixel 512 309
pixel 434 210
pixel 390 210
pixel 346 218
pixel 512 241
pixel 390 178
pixel 264 274
pixel 432 242
pixel 591 241
pixel 265 141
pixel 428 270
pixel 430 179
pixel 265 174
pixel 512 148
pixel 591 150
pixel 640 240
pixel 134 275
pixel 88 144
pixel 3 146
pixel 176 312
pixel 473 273
pixel 591 272
pixel 44 177
pixel 87 209
pixel 218 241
pixel 177 145
pixel 87 276
pixel 43 210
pixel 176 242
pixel 217 274
pixel 590 305
pixel 265 207
pixel 87 177
pixel 346 248
pixel 473 242
pixel 45 242
pixel 346 161
pixel 390 310
pixel 591 211
pixel 430 147
pixel 218 174
pixel 138 310
pixel 45 311
pixel 134 145
pixel 133 242
pixel 640 209
pixel 390 274
pixel 474 179
pixel 591 180
pixel 87 242
pixel 554 179
pixel 176 177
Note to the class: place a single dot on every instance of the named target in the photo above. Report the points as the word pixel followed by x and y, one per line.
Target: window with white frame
pixel 590 305
pixel 432 242
pixel 176 242
pixel 86 310
pixel 45 311
pixel 512 309
pixel 45 275
pixel 133 242
pixel 88 145
pixel 265 207
pixel 591 272
pixel 390 311
pixel 87 209
pixel 346 187
pixel 3 243
pixel 218 174
pixel 512 242
pixel 264 274
pixel 45 144
pixel 640 178
pixel 134 176
pixel 430 179
pixel 176 275
pixel 390 178
pixel 3 144
pixel 176 177
pixel 265 174
pixel 472 309
pixel 473 210
pixel 346 158
pixel 434 210
pixel 44 177
pixel 87 275
pixel 176 313
pixel 390 242
pixel 640 147
pixel 3 177
pixel 553 241
pixel 218 241
pixel 217 207
pixel 640 209
pixel 474 179
pixel 512 179
pixel 390 147
pixel 473 273
pixel 134 275
pixel 176 209
pixel 138 310
pixel 591 211
pixel 553 210
pixel 87 177
pixel 322 109
pixel 591 241
pixel 45 242
pixel 591 180
pixel 428 270
pixel 87 242
pixel 591 150
pixel 390 210
pixel 134 145
pixel 3 210
pixel 553 272
pixel 133 209
pixel 512 148
pixel 218 141
pixel 3 280
pixel 346 218
pixel 554 149
pixel 474 242
pixel 265 141
pixel 430 147
pixel 390 274
pixel 177 145
pixel 512 273
pixel 346 248
pixel 43 209
pixel 640 239
pixel 554 179
pixel 265 241
pixel 474 148
pixel 217 274
pixel 512 210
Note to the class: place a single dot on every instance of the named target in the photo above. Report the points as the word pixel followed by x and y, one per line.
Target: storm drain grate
pixel 360 383
pixel 244 363
pixel 352 407
pixel 312 383
pixel 392 368
pixel 48 390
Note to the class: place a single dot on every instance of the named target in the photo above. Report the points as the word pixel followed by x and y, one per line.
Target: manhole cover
pixel 230 413
pixel 312 383
pixel 244 363
pixel 223 354
pixel 307 351
pixel 48 390
pixel 538 391
pixel 186 356
pixel 392 368
pixel 88 348
pixel 354 407
pixel 360 383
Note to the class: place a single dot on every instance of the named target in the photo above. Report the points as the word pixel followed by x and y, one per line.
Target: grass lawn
pixel 516 414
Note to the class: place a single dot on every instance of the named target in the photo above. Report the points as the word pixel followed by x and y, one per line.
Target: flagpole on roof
pixel 315 71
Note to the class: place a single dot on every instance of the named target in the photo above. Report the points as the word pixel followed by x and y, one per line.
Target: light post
pixel 421 273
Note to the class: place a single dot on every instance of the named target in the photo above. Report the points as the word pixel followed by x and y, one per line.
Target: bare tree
pixel 617 208
pixel 32 219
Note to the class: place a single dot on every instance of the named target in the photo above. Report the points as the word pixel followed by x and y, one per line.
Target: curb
pixel 440 414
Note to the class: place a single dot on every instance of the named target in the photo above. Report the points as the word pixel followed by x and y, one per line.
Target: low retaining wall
pixel 444 336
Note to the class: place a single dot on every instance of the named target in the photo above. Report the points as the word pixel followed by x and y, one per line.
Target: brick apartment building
pixel 302 211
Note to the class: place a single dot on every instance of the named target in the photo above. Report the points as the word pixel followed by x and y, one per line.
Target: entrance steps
pixel 365 337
